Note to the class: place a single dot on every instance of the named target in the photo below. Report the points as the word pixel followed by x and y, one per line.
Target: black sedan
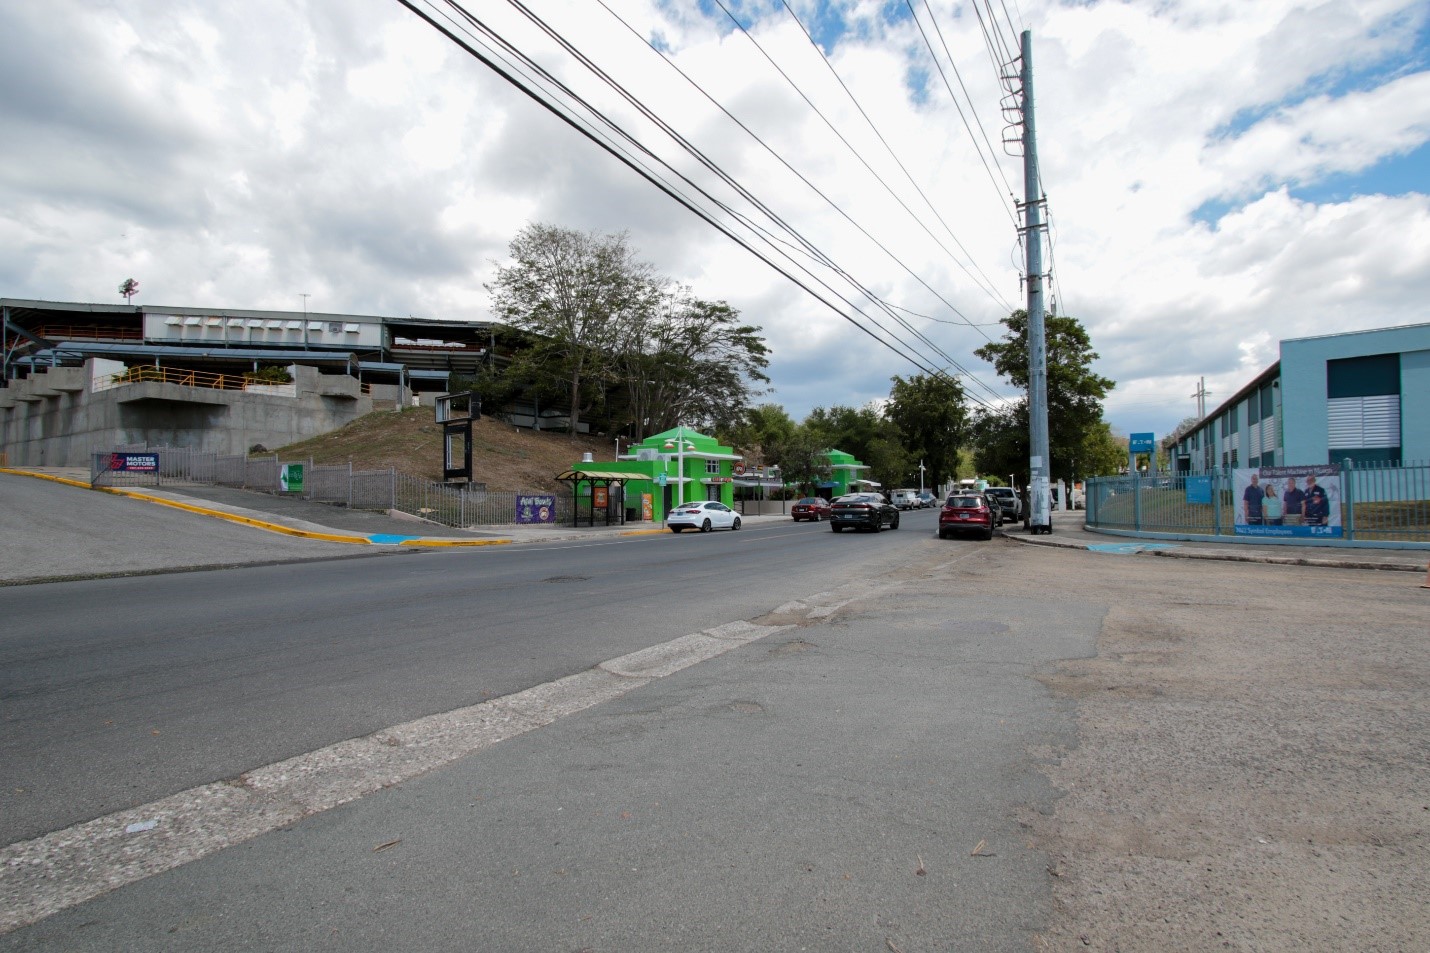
pixel 863 511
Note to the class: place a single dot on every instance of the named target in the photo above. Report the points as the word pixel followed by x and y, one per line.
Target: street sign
pixel 1142 443
pixel 739 469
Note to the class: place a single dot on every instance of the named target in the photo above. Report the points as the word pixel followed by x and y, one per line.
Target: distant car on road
pixel 863 511
pixel 810 508
pixel 966 514
pixel 703 515
pixel 927 499
pixel 906 499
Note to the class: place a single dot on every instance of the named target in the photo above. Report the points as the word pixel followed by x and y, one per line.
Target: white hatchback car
pixel 703 515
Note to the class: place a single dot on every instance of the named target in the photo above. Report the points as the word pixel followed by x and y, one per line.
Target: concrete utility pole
pixel 1038 462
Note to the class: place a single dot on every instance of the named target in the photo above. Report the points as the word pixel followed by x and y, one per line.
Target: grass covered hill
pixel 410 440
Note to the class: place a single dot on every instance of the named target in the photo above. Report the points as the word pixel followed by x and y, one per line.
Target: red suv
pixel 810 508
pixel 966 513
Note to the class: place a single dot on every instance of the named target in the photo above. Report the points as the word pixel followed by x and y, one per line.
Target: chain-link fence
pixel 1380 503
pixel 457 506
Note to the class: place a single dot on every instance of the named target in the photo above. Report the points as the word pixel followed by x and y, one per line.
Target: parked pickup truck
pixel 1008 501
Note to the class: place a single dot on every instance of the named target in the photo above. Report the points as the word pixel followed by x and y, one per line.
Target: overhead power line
pixel 509 71
pixel 519 70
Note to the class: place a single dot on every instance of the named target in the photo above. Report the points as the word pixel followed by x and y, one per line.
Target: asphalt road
pixel 119 691
pixel 866 760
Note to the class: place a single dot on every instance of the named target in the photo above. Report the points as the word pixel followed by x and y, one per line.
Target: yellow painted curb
pixel 46 476
pixel 234 518
pixel 200 510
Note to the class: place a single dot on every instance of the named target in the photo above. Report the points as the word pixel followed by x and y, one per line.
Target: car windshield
pixel 809 501
pixel 964 502
pixel 1000 491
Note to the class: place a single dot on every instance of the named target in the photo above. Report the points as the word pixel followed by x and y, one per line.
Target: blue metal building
pixel 1362 396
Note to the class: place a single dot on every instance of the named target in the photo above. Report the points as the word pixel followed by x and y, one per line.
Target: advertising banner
pixel 647 507
pixel 1287 501
pixel 535 509
pixel 134 462
pixel 290 477
pixel 600 500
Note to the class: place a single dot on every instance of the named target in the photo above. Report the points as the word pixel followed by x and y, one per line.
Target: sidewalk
pixel 293 516
pixel 321 521
pixel 1069 532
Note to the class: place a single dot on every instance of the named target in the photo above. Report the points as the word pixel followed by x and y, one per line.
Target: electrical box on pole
pixel 1039 465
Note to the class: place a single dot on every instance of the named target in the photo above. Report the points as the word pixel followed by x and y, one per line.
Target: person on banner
pixel 1251 500
pixel 1318 504
pixel 1293 504
pixel 1271 507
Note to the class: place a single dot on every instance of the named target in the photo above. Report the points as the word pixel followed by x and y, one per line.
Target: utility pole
pixel 1201 394
pixel 1038 463
pixel 305 319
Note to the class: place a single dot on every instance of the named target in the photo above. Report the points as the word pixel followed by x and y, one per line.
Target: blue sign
pixel 1199 489
pixel 1142 443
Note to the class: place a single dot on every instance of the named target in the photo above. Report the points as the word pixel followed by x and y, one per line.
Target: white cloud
pixel 241 155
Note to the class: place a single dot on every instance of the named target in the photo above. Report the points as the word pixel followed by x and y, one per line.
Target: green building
pixel 669 468
pixel 844 476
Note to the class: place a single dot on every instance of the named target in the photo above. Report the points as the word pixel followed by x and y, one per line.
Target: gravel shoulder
pixel 1250 772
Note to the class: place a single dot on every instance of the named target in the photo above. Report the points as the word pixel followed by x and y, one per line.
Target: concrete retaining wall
pixel 58 417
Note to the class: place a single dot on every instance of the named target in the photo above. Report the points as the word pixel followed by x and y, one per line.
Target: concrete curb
pixel 255 523
pixel 1233 557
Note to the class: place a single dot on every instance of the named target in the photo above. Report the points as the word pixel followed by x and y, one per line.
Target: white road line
pixel 42 876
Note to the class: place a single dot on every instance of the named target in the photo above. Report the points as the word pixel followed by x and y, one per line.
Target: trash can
pixel 633 514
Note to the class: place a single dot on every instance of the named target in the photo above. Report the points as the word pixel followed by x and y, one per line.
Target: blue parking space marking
pixel 387 539
pixel 1128 549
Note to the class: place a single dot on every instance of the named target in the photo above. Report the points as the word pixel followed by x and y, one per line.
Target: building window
pixel 712 467
pixel 1363 409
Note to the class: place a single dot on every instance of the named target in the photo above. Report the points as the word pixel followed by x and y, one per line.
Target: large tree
pixel 930 413
pixel 1075 392
pixel 684 360
pixel 571 290
pixel 869 436
pixel 801 458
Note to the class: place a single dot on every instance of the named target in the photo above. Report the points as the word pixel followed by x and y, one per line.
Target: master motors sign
pixel 1288 501
pixel 134 462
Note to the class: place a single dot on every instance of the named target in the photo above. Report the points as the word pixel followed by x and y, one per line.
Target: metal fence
pixel 458 506
pixel 1377 504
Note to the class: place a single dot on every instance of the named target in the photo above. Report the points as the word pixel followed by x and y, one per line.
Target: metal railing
pixel 1371 504
pixel 142 373
pixel 456 506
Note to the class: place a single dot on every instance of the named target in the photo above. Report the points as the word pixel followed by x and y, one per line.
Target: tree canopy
pixel 626 346
pixel 931 415
pixel 1075 395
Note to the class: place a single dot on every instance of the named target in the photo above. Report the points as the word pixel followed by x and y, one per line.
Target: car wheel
pixel 836 527
pixel 942 535
pixel 736 524
pixel 895 523
pixel 705 526
pixel 988 535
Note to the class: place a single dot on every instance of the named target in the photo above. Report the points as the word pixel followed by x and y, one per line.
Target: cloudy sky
pixel 1221 174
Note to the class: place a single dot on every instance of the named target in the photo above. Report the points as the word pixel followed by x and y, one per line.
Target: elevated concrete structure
pixel 60 415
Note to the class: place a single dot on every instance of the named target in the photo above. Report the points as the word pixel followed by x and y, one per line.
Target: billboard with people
pixel 1287 501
